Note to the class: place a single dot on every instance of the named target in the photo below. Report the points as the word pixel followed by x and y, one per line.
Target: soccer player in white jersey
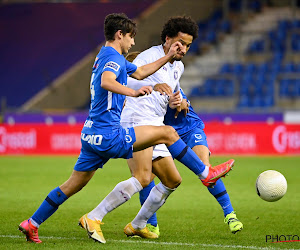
pixel 148 110
pixel 102 136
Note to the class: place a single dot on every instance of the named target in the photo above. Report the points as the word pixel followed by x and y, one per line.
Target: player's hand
pixel 163 88
pixel 175 100
pixel 175 48
pixel 145 90
pixel 184 107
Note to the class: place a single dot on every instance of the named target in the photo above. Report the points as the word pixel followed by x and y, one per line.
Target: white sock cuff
pixel 163 189
pixel 204 174
pixel 33 222
pixel 136 183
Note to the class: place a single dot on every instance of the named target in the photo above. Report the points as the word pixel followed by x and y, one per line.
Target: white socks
pixel 204 174
pixel 120 194
pixel 155 200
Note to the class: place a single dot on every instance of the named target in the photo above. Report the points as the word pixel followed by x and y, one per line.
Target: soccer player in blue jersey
pixel 103 138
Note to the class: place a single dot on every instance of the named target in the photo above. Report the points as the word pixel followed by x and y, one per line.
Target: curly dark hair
pixel 118 21
pixel 177 24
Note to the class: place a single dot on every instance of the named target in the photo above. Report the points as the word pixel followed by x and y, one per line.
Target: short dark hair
pixel 118 21
pixel 177 24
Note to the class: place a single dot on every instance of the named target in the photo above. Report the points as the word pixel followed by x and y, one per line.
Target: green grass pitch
pixel 191 218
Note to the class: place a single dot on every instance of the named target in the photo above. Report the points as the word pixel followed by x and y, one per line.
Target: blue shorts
pixel 97 149
pixel 195 137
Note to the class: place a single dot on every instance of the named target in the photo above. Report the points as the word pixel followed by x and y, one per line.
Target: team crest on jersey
pixel 198 136
pixel 112 65
pixel 175 75
pixel 128 138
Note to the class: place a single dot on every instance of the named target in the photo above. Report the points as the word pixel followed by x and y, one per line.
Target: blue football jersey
pixel 106 106
pixel 183 124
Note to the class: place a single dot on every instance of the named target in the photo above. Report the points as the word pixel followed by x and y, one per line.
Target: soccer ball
pixel 271 185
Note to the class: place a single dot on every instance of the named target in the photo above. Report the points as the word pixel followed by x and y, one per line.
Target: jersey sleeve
pixel 113 64
pixel 137 84
pixel 130 67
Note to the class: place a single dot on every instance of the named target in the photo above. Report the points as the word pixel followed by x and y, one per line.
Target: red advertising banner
pixel 40 139
pixel 253 138
pixel 236 138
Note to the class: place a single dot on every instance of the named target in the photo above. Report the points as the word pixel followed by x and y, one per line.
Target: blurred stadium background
pixel 242 74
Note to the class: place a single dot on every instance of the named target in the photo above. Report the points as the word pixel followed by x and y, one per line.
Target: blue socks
pixel 220 193
pixel 144 193
pixel 181 152
pixel 55 198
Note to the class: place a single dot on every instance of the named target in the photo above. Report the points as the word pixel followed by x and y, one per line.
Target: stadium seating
pixel 210 30
pixel 285 35
pixel 257 81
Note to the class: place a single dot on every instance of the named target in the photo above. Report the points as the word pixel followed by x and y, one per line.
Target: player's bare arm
pixel 109 82
pixel 148 69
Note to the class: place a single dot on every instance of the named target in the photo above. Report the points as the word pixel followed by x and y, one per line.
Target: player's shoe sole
pixel 143 233
pixel 92 228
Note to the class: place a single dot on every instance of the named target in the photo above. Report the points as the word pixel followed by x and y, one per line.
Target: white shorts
pixel 159 150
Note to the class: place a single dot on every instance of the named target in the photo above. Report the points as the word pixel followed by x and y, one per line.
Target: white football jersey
pixel 151 108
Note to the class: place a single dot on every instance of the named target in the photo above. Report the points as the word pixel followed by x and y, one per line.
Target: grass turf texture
pixel 191 218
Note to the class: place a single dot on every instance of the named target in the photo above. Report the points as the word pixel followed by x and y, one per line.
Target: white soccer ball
pixel 271 185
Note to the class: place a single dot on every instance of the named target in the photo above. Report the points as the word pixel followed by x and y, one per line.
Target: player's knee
pixel 176 182
pixel 144 180
pixel 173 183
pixel 179 180
pixel 171 134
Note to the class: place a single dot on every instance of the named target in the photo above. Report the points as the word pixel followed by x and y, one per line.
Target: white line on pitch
pixel 156 242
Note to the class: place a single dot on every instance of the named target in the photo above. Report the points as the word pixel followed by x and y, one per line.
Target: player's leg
pixel 165 169
pixel 60 194
pixel 143 194
pixel 200 147
pixel 53 200
pixel 203 153
pixel 122 192
pixel 147 136
pixel 219 190
pixel 84 170
pixel 141 168
pixel 141 173
pixel 159 151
